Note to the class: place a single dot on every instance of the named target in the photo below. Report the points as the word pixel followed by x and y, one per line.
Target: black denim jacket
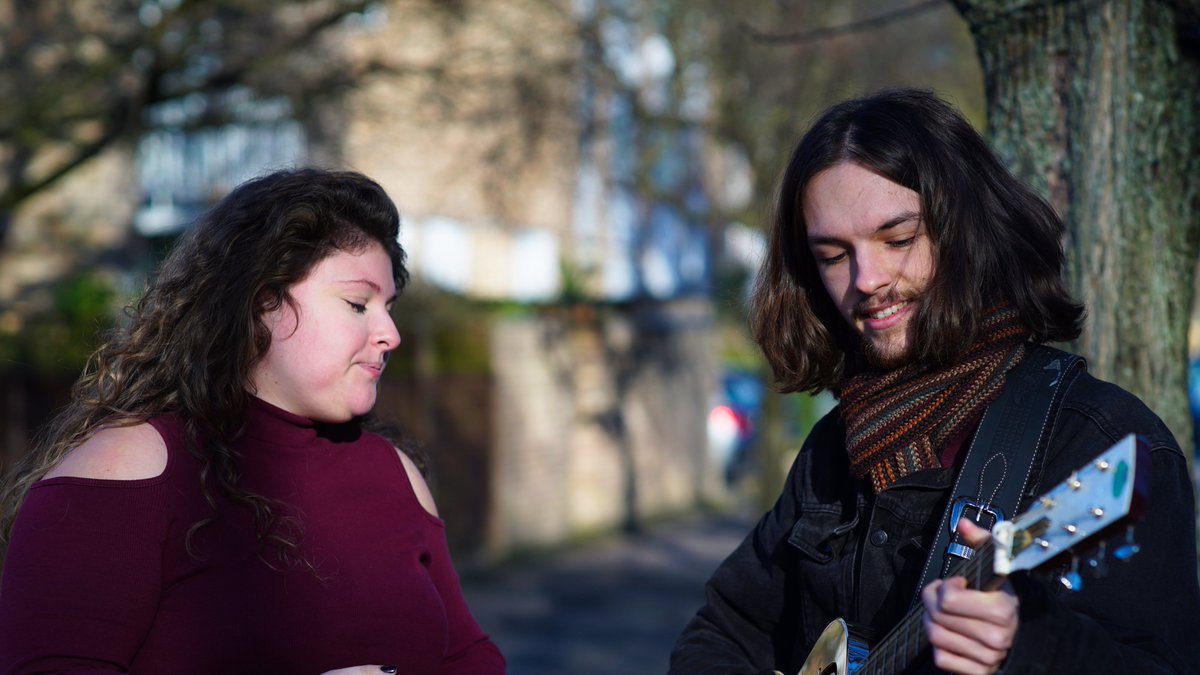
pixel 830 548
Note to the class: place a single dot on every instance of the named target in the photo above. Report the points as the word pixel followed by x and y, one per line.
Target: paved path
pixel 609 607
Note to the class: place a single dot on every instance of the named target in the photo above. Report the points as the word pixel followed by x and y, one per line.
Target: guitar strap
pixel 1000 458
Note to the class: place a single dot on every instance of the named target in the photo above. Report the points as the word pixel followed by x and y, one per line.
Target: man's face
pixel 874 255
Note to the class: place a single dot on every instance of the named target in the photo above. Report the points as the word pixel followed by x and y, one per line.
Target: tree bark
pixel 1096 103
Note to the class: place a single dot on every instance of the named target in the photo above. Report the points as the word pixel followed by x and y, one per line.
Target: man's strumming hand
pixel 971 631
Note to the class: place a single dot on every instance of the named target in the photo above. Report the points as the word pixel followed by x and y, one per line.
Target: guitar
pixel 1090 505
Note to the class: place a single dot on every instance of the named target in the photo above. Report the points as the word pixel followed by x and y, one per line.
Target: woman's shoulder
pixel 419 487
pixel 131 452
pixel 416 478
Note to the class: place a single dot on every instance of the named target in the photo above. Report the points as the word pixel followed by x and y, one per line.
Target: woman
pixel 210 502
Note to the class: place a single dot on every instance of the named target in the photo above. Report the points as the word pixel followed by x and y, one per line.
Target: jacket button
pixel 879 537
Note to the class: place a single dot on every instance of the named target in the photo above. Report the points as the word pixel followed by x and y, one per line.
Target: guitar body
pixel 839 651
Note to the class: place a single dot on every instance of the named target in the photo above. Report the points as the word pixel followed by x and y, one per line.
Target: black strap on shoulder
pixel 1000 458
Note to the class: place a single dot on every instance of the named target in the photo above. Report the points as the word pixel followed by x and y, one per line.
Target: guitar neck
pixel 903 644
pixel 1098 498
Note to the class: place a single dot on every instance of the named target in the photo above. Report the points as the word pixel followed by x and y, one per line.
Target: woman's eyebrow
pixel 374 286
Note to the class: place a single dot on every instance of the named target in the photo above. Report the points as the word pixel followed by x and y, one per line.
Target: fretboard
pixel 900 647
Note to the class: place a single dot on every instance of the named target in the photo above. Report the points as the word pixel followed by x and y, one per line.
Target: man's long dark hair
pixel 192 341
pixel 995 241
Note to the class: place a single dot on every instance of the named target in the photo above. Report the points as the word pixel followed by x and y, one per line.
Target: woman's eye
pixel 902 243
pixel 831 259
pixel 357 307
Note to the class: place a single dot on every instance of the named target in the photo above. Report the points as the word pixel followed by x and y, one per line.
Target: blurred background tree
pixel 1097 104
pixel 78 76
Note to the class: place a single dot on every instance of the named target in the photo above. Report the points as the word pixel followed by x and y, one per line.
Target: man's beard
pixel 888 359
pixel 883 356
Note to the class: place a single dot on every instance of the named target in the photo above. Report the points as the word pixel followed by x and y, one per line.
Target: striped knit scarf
pixel 897 421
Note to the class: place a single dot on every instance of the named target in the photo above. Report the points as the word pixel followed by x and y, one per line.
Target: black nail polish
pixel 388 669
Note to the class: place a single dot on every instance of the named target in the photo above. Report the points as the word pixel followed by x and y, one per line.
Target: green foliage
pixel 59 337
pixel 441 334
pixel 462 347
pixel 575 282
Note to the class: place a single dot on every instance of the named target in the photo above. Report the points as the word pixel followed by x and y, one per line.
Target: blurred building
pixel 524 173
pixel 545 157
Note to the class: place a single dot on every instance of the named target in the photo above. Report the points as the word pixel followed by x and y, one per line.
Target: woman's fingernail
pixel 388 669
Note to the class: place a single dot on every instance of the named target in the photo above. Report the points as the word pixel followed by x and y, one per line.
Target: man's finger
pixel 972 533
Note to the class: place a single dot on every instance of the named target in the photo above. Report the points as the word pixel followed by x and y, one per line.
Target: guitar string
pixel 912 625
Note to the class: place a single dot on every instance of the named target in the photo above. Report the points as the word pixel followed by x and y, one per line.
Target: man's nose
pixel 872 273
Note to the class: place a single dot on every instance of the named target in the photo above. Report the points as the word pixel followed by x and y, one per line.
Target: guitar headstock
pixel 1096 499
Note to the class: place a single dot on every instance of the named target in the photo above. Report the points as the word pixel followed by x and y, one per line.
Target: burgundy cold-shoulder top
pixel 98 577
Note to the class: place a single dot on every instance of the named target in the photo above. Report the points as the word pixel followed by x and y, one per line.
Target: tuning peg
pixel 1072 580
pixel 1129 548
pixel 1098 563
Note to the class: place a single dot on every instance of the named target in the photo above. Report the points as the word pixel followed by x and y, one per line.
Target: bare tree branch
pixel 826 32
pixel 77 82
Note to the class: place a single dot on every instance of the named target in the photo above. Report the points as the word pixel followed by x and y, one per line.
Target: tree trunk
pixel 1096 103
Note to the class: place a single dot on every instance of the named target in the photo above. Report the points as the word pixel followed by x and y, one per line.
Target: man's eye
pixel 830 259
pixel 902 243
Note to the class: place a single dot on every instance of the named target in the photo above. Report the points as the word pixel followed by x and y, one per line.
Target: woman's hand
pixel 970 630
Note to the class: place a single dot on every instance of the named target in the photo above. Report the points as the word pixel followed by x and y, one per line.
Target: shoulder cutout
pixel 116 453
pixel 418 484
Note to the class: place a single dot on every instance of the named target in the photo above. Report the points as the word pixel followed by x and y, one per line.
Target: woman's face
pixel 326 357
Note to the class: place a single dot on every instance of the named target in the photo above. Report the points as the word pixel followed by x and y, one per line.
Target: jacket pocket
pixel 821 532
pixel 821 583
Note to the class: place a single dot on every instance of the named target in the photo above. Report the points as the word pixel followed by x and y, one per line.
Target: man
pixel 909 272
